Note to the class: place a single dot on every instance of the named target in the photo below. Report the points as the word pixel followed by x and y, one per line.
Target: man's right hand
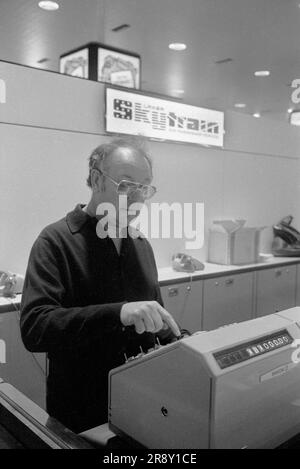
pixel 147 316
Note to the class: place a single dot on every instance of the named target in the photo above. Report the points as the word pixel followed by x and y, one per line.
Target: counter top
pixel 167 275
pixel 8 304
pixel 103 438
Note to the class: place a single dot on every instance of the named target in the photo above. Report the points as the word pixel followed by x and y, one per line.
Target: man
pixel 88 300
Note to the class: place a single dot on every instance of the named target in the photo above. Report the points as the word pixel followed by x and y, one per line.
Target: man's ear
pixel 96 182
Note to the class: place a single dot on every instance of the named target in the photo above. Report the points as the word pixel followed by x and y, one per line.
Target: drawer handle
pixel 172 291
pixel 189 288
pixel 230 281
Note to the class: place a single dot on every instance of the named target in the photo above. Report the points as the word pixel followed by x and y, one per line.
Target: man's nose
pixel 136 197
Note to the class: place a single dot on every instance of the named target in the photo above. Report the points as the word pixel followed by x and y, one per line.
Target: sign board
pixel 138 114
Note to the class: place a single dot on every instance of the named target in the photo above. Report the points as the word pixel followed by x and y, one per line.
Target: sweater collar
pixel 78 218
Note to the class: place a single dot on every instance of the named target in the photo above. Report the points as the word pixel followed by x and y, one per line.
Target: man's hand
pixel 147 316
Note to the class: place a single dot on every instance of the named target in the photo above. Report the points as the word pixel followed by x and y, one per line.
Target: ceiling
pixel 254 34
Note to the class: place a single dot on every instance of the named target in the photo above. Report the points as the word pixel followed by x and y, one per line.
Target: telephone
pixel 286 238
pixel 10 284
pixel 184 263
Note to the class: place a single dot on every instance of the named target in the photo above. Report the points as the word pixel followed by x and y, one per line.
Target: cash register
pixel 234 387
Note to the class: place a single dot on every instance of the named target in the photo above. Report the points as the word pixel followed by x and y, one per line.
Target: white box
pixel 230 243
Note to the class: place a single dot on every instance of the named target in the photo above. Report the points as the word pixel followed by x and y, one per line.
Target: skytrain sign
pixel 138 114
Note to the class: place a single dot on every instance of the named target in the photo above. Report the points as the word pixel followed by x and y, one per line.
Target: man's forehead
pixel 125 155
pixel 126 159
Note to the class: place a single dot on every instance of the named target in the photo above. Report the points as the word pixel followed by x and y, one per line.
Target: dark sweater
pixel 74 289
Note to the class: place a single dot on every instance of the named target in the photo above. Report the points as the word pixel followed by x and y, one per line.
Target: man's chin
pixel 131 218
pixel 126 222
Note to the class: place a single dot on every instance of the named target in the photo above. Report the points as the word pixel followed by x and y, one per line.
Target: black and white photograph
pixel 150 227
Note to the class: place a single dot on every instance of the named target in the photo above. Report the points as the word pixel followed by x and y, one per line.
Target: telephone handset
pixel 286 238
pixel 286 232
pixel 10 284
pixel 184 263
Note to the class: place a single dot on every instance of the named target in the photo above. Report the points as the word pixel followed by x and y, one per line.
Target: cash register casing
pixel 217 389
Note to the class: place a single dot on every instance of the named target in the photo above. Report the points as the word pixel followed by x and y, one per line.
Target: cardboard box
pixel 231 243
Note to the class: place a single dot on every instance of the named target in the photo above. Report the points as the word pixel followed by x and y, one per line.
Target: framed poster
pixel 99 62
pixel 75 64
pixel 118 68
pixel 139 114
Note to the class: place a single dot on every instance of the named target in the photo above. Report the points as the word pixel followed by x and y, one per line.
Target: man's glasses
pixel 130 188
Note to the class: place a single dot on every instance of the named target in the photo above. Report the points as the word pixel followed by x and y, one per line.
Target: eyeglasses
pixel 130 188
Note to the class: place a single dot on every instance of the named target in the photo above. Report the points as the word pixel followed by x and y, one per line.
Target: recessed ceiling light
pixel 179 46
pixel 290 110
pixel 262 73
pixel 256 114
pixel 240 105
pixel 48 5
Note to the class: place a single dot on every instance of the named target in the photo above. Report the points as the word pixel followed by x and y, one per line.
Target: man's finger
pixel 158 322
pixel 139 326
pixel 168 319
pixel 148 321
pixel 155 318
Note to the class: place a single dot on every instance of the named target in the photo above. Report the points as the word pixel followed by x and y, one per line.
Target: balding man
pixel 90 300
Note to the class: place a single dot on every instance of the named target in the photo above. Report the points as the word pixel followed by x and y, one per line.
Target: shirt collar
pixel 78 218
